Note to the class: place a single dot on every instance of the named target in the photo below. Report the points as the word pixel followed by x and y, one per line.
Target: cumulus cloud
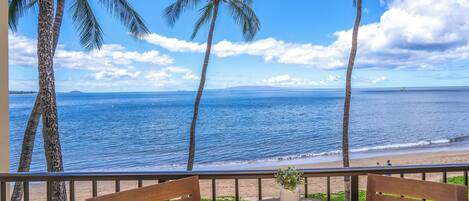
pixel 110 67
pixel 289 81
pixel 171 75
pixel 270 49
pixel 114 74
pixel 174 44
pixel 111 62
pixel 280 79
pixel 424 34
pixel 379 79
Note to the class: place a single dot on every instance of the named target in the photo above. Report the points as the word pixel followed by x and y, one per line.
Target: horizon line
pixel 247 89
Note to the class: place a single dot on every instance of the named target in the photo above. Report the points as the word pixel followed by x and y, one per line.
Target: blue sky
pixel 302 43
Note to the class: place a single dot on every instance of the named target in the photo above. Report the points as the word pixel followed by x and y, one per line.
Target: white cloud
pixel 171 74
pixel 280 79
pixel 115 74
pixel 378 79
pixel 288 81
pixel 174 44
pixel 112 61
pixel 270 49
pixel 423 34
pixel 111 66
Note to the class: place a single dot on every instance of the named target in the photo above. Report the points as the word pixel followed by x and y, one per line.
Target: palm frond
pixel 205 16
pixel 248 2
pixel 244 16
pixel 173 11
pixel 32 3
pixel 16 10
pixel 91 35
pixel 127 15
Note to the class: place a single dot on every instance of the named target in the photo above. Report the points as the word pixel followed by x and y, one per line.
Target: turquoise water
pixel 243 128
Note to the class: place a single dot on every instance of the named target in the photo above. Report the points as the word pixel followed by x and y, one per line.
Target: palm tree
pixel 90 38
pixel 243 15
pixel 16 9
pixel 348 94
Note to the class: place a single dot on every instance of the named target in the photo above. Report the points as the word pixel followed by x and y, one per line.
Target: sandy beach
pixel 248 188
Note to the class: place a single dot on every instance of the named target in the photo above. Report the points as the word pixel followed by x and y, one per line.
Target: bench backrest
pixel 186 189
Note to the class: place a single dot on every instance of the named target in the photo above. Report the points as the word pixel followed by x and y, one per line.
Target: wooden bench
pixel 385 188
pixel 186 189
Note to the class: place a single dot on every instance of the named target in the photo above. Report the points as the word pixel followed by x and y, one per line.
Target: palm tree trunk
pixel 33 121
pixel 59 13
pixel 348 94
pixel 48 97
pixel 190 162
pixel 27 147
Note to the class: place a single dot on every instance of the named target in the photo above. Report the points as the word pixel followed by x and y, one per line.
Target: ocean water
pixel 244 128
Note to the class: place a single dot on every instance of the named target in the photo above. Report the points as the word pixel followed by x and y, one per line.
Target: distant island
pixel 21 92
pixel 75 92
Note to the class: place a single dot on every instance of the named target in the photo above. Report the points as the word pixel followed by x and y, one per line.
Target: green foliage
pixel 289 178
pixel 339 196
pixel 84 20
pixel 91 34
pixel 241 12
pixel 459 180
pixel 456 180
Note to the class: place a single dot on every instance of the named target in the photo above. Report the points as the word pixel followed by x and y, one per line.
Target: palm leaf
pixel 91 36
pixel 173 11
pixel 127 15
pixel 16 10
pixel 32 3
pixel 205 16
pixel 244 16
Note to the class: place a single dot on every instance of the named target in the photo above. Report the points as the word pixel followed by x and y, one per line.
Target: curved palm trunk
pixel 48 97
pixel 33 121
pixel 190 162
pixel 59 13
pixel 348 94
pixel 27 147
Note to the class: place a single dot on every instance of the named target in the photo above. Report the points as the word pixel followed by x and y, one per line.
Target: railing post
pixel 140 183
pixel 94 185
pixel 4 118
pixel 3 191
pixel 236 189
pixel 118 185
pixel 328 188
pixel 49 191
pixel 259 188
pixel 306 187
pixel 445 177
pixel 465 178
pixel 214 190
pixel 25 191
pixel 72 190
pixel 355 191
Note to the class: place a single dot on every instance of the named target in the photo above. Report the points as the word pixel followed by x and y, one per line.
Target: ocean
pixel 244 128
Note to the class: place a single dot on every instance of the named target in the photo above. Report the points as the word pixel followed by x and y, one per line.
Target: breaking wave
pixel 419 144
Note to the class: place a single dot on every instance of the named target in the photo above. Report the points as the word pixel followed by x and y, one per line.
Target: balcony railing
pixel 212 176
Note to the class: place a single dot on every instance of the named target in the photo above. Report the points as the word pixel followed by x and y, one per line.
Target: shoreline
pixel 334 157
pixel 270 188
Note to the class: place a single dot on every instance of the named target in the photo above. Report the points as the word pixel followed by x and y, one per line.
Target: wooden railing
pixel 161 176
